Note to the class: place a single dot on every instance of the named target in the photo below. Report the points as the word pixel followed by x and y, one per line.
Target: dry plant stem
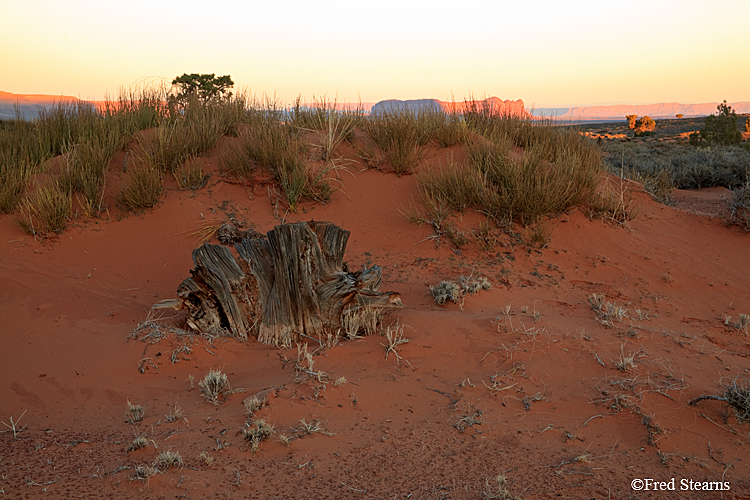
pixel 13 426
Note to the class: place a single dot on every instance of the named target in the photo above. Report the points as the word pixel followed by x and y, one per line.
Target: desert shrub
pixel 747 124
pixel 631 121
pixel 401 136
pixel 679 115
pixel 47 209
pixel 720 128
pixel 740 206
pixel 644 126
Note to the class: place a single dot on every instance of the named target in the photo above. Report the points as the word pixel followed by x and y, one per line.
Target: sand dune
pixel 521 380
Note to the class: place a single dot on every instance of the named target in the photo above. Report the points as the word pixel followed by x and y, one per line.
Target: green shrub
pixel 720 128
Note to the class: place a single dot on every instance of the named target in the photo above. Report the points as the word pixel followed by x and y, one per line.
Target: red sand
pixel 550 410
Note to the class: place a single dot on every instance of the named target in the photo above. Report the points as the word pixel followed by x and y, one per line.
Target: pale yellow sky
pixel 550 53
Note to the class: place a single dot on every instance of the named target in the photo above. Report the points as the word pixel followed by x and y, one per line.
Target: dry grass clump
pixel 138 443
pixel 394 336
pixel 740 325
pixel 401 136
pixel 167 459
pixel 190 175
pixel 234 160
pixel 143 472
pixel 257 431
pixel 48 209
pixel 361 320
pixel 607 311
pixel 615 205
pixel 328 121
pixel 307 428
pixel 497 489
pixel 134 414
pixel 142 187
pixel 455 291
pixel 275 145
pixel 206 458
pixel 214 385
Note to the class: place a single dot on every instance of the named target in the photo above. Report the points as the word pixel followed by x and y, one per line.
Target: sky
pixel 549 53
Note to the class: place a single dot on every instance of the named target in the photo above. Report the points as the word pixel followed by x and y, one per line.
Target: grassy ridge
pixel 516 169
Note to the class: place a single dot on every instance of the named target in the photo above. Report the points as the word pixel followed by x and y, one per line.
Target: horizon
pixel 547 54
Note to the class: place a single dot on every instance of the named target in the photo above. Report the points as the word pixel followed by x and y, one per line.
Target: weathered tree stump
pixel 291 283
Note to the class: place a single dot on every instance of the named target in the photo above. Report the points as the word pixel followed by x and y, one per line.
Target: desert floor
pixel 521 380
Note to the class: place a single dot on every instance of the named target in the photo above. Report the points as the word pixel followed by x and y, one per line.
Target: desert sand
pixel 520 380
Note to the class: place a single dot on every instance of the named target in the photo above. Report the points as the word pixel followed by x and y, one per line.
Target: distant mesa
pixel 29 105
pixel 619 111
pixel 495 104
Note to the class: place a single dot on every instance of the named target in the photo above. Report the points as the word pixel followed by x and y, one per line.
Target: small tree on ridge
pixel 204 87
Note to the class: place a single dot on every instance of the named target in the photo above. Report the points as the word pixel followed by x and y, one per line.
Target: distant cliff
pixel 28 105
pixel 496 104
pixel 660 110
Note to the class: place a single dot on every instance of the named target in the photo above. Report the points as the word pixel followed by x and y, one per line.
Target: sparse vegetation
pixel 167 459
pixel 736 393
pixel 680 166
pixel 138 443
pixel 497 489
pixel 455 291
pixel 13 426
pixel 206 458
pixel 143 472
pixel 214 385
pixel 257 431
pixel 134 414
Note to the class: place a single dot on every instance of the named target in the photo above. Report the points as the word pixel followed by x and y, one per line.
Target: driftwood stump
pixel 291 283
